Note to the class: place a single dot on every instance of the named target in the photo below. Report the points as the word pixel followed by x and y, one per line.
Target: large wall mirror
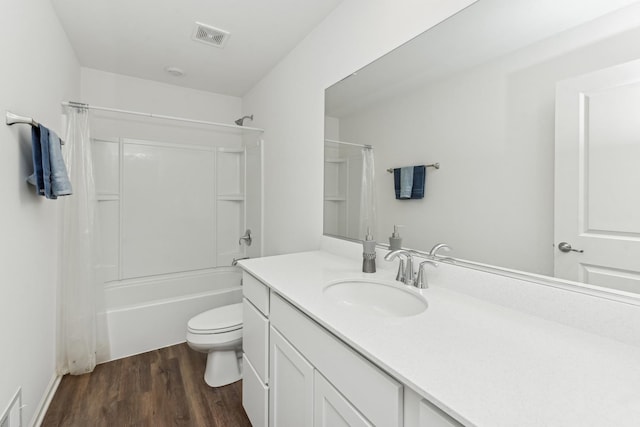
pixel 532 110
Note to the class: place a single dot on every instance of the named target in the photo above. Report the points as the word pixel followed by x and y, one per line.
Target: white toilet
pixel 218 332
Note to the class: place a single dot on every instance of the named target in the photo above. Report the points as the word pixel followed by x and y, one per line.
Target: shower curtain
pixel 367 194
pixel 79 262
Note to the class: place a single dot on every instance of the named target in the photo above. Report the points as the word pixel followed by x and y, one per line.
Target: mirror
pixel 476 94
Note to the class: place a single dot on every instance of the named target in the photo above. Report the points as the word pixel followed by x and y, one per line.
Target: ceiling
pixel 141 38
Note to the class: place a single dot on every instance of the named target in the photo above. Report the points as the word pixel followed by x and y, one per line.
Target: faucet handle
pixel 421 280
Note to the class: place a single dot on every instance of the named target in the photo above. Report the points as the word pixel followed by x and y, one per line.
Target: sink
pixel 379 298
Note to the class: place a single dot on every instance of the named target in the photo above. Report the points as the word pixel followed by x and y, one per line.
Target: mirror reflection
pixel 530 108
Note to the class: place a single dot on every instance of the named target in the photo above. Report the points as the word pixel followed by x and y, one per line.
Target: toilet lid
pixel 217 320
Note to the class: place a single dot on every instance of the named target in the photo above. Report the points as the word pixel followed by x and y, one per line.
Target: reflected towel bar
pixel 434 165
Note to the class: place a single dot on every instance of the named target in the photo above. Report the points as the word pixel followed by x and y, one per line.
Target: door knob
pixel 566 247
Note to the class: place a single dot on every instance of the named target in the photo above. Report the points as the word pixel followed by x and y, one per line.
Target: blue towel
pixel 406 182
pixel 418 183
pixel 37 178
pixel 50 173
pixel 46 162
pixel 60 184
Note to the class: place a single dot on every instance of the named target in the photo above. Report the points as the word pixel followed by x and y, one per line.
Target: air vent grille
pixel 210 35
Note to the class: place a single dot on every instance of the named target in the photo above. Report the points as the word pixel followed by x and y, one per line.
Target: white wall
pixel 118 91
pixel 492 130
pixel 39 70
pixel 289 104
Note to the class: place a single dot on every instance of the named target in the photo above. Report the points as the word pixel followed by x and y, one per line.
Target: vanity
pixel 314 356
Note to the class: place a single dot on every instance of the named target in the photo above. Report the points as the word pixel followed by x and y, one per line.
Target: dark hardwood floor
pixel 160 388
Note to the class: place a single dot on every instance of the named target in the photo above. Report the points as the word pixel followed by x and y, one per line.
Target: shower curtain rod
pixel 349 143
pixel 158 116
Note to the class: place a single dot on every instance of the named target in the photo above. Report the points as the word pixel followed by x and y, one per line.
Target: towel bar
pixel 433 165
pixel 12 119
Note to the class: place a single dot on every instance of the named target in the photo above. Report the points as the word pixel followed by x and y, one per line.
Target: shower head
pixel 240 121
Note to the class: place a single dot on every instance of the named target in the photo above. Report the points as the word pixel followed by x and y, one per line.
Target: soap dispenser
pixel 368 253
pixel 395 241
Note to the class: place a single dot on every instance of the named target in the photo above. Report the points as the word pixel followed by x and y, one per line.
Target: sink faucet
pixel 421 281
pixel 405 271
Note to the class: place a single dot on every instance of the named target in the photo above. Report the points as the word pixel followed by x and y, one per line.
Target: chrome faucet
pixel 434 250
pixel 421 280
pixel 405 268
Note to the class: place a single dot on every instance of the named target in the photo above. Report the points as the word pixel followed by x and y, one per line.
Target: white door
pixel 597 197
pixel 290 385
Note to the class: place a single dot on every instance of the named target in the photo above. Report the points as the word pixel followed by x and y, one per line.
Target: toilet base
pixel 223 368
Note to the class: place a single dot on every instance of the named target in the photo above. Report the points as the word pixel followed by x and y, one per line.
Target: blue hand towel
pixel 419 177
pixel 37 178
pixel 60 184
pixel 406 182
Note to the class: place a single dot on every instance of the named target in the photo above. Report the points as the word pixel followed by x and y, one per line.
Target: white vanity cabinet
pixel 297 374
pixel 365 391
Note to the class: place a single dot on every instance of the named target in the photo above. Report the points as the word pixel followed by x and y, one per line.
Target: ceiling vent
pixel 210 35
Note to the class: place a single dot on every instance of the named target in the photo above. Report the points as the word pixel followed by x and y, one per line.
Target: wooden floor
pixel 160 388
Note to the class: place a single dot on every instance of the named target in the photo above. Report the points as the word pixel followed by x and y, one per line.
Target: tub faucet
pixel 405 268
pixel 246 238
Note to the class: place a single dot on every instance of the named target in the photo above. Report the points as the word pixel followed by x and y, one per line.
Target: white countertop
pixel 484 364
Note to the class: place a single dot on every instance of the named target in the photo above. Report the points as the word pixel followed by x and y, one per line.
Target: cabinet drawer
pixel 256 292
pixel 255 395
pixel 255 339
pixel 372 392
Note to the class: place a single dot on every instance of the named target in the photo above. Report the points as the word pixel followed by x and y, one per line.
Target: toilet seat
pixel 218 320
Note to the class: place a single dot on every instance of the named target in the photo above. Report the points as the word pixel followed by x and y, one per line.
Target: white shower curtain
pixel 79 263
pixel 367 194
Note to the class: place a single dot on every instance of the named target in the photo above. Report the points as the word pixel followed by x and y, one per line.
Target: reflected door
pixel 597 181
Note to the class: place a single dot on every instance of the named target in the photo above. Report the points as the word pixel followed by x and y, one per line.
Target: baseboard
pixel 43 406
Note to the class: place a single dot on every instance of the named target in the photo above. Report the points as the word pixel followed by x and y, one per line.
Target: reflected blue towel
pixel 418 184
pixel 406 182
pixel 419 177
pixel 60 184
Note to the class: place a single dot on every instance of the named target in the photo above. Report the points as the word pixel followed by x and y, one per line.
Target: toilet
pixel 218 332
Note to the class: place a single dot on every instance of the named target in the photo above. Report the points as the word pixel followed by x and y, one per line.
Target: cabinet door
pixel 331 409
pixel 290 385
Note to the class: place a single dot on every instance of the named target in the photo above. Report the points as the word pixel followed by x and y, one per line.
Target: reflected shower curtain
pixel 77 315
pixel 367 194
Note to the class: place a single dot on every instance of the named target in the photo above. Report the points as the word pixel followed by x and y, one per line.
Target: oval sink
pixel 377 298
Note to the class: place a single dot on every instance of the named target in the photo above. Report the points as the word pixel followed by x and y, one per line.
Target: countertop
pixel 484 364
